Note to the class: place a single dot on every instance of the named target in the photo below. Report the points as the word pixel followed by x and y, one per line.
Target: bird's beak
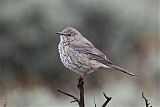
pixel 61 33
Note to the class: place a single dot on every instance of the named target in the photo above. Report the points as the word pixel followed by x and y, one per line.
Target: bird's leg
pixel 83 76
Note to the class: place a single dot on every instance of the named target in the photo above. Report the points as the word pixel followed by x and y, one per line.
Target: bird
pixel 79 55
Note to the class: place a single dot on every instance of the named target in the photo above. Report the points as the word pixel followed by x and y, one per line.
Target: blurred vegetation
pixel 126 31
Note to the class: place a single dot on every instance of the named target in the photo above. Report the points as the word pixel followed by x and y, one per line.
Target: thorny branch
pixel 146 101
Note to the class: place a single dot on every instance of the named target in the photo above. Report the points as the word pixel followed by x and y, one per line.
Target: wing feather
pixel 90 51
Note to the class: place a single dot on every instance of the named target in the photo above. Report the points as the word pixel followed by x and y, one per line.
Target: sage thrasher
pixel 79 55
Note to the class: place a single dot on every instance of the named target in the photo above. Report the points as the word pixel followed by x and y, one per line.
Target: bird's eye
pixel 68 34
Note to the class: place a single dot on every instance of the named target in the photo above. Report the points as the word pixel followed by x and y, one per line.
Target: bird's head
pixel 69 33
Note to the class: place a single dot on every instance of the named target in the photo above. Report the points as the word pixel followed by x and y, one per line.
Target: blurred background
pixel 30 68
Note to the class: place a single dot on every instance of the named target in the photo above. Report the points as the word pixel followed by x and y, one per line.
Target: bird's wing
pixel 95 54
pixel 89 49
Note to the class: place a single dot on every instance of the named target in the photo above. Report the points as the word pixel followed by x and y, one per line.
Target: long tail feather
pixel 121 69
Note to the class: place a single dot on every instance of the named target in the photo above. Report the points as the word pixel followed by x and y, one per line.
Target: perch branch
pixel 146 101
pixel 107 101
pixel 80 101
pixel 75 99
pixel 81 89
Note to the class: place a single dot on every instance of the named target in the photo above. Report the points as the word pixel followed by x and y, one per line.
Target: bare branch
pixel 94 102
pixel 80 101
pixel 146 101
pixel 75 99
pixel 81 89
pixel 107 101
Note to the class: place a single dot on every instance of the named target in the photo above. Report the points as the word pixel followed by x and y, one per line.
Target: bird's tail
pixel 121 69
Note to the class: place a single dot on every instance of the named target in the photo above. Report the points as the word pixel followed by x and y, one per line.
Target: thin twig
pixel 75 99
pixel 94 102
pixel 146 101
pixel 81 89
pixel 107 101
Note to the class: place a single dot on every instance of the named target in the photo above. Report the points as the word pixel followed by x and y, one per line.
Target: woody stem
pixel 81 89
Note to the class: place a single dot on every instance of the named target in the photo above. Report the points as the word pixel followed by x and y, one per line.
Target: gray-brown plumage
pixel 79 55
